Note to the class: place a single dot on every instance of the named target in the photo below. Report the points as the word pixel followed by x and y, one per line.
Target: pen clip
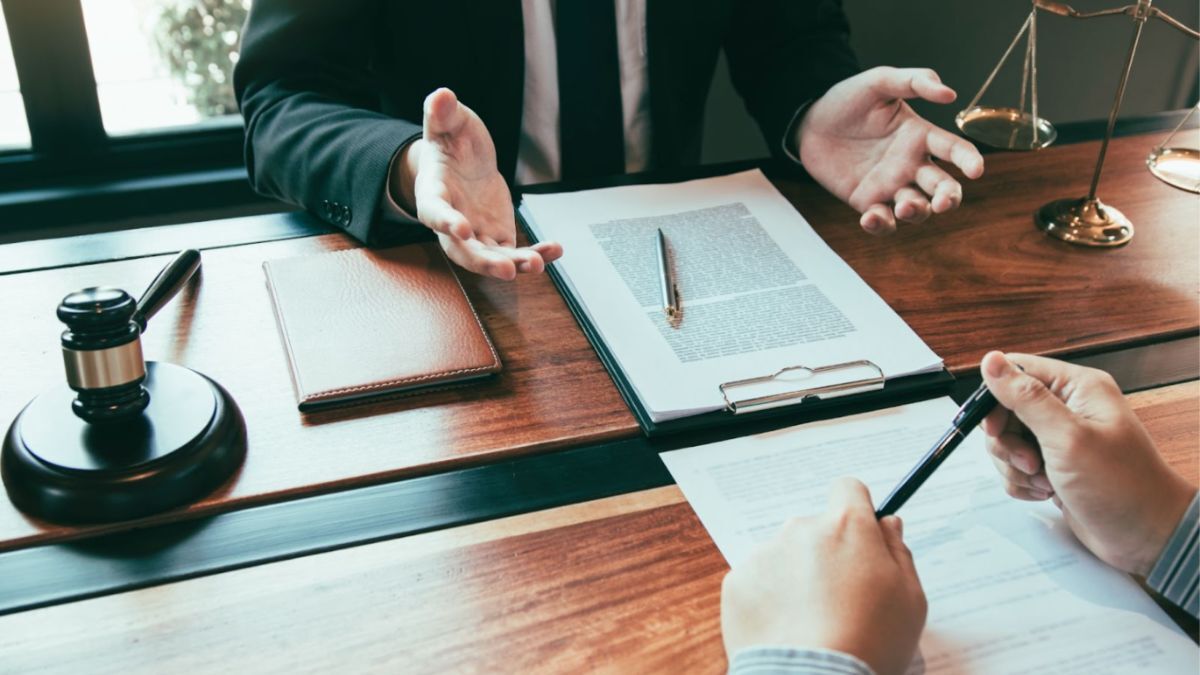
pixel 674 312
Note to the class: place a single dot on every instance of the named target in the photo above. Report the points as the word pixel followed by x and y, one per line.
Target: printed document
pixel 760 291
pixel 1010 589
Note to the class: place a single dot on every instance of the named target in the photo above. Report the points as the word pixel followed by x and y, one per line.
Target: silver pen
pixel 670 294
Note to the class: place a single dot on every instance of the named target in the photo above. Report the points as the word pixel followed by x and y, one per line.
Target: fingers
pixel 996 421
pixel 1013 448
pixel 954 149
pixel 910 83
pixel 1023 461
pixel 911 205
pixel 1020 485
pixel 435 211
pixel 527 260
pixel 893 536
pixel 483 256
pixel 878 219
pixel 478 257
pixel 443 114
pixel 945 191
pixel 848 495
pixel 1028 393
pixel 1058 375
pixel 548 250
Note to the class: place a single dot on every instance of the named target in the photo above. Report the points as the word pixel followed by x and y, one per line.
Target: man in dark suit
pixel 340 118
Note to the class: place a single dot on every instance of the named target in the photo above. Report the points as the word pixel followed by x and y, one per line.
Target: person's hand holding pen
pixel 1065 432
pixel 840 581
pixel 449 177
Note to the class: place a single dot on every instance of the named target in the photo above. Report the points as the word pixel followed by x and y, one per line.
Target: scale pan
pixel 1176 166
pixel 1005 128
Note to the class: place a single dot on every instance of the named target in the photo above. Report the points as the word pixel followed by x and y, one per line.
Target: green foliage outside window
pixel 199 41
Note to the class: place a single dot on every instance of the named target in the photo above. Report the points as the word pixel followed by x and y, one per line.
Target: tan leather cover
pixel 363 323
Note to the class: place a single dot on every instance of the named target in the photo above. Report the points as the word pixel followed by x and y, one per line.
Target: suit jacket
pixel 331 89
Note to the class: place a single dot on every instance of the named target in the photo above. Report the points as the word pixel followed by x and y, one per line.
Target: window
pixel 14 131
pixel 163 63
pixel 102 89
pixel 124 107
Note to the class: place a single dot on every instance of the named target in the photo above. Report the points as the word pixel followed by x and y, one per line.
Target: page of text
pixel 1010 589
pixel 760 291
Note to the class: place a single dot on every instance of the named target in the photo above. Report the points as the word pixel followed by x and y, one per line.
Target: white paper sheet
pixel 1010 589
pixel 760 290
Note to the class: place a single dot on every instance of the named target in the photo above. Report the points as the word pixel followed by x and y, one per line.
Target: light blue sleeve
pixel 1177 571
pixel 765 660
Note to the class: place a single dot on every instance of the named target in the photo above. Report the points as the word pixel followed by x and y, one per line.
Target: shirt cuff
pixel 791 134
pixel 1177 571
pixel 763 660
pixel 389 209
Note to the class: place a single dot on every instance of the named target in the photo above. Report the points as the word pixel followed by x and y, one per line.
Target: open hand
pixel 450 176
pixel 864 144
pixel 840 581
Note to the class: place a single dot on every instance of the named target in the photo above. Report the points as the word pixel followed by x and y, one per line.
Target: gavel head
pixel 102 352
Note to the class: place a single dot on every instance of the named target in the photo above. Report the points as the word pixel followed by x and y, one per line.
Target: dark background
pixel 1079 62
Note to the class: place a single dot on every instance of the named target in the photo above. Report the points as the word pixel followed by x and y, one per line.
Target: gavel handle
pixel 166 285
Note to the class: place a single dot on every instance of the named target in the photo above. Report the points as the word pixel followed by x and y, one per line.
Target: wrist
pixel 800 129
pixel 402 176
pixel 1162 522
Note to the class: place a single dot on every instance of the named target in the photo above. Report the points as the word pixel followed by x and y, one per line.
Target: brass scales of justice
pixel 1083 221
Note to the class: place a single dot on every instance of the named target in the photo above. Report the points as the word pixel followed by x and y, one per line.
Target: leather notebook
pixel 363 323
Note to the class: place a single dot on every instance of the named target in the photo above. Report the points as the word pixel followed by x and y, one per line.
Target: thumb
pixel 893 536
pixel 1027 390
pixel 443 113
pixel 893 83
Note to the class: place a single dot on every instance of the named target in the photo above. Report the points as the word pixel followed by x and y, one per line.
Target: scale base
pixel 186 443
pixel 1084 222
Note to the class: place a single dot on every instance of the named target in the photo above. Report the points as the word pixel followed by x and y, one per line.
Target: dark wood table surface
pixel 625 584
pixel 982 277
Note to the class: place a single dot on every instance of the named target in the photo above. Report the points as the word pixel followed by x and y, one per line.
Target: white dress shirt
pixel 539 155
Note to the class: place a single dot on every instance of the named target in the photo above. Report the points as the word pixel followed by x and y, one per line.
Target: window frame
pixel 68 143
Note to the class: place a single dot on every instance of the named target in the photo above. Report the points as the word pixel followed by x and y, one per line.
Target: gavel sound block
pixel 122 438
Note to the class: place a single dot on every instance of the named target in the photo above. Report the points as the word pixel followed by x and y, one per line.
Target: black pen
pixel 978 405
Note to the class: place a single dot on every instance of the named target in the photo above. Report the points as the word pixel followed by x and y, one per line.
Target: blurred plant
pixel 199 40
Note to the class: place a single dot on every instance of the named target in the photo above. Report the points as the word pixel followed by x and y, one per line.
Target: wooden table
pixel 979 278
pixel 626 584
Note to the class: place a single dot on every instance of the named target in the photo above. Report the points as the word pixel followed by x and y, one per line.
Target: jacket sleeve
pixel 314 134
pixel 784 54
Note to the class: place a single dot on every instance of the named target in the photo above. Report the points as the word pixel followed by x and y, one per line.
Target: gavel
pixel 123 437
pixel 102 346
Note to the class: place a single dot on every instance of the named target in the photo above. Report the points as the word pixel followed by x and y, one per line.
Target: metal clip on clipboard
pixel 818 391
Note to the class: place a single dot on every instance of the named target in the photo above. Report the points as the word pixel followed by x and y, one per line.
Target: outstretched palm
pixel 461 195
pixel 864 144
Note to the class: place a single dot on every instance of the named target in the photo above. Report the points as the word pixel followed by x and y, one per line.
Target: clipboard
pixel 796 405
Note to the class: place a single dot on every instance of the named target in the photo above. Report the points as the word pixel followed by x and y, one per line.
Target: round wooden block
pixel 188 441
